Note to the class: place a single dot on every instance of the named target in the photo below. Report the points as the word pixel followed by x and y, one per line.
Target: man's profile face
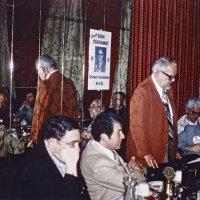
pixel 94 109
pixel 117 101
pixel 71 140
pixel 30 98
pixel 114 142
pixel 165 81
pixel 193 114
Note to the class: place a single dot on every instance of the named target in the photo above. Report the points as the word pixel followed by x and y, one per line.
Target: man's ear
pixel 104 137
pixel 51 143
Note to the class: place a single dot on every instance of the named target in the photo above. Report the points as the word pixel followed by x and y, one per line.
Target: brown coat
pixel 48 101
pixel 148 131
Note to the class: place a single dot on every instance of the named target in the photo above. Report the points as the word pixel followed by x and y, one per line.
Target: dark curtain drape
pixel 166 28
pixel 105 15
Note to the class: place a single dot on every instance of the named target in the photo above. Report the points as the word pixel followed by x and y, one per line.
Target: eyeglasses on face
pixel 93 107
pixel 195 113
pixel 71 144
pixel 170 76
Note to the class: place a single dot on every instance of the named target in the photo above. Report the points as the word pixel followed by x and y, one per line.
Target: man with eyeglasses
pixel 189 128
pixel 97 106
pixel 51 171
pixel 192 114
pixel 152 135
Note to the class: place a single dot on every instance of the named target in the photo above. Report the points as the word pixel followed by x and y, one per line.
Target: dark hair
pixel 30 90
pixel 56 127
pixel 103 123
pixel 123 95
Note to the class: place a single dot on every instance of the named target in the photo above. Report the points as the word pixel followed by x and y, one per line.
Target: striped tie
pixel 167 110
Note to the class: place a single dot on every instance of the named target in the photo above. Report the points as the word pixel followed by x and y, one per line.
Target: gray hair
pixel 46 61
pixel 162 63
pixel 193 102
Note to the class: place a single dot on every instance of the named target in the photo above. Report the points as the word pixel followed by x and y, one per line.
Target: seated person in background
pixel 192 114
pixel 51 172
pixel 119 108
pixel 189 140
pixel 96 107
pixel 101 166
pixel 4 107
pixel 118 105
pixel 9 143
pixel 26 110
pixel 86 136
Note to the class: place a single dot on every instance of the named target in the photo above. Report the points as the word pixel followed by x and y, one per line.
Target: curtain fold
pixel 4 49
pixel 63 39
pixel 120 78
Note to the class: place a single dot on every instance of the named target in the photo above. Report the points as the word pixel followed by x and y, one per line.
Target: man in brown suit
pixel 149 138
pixel 56 95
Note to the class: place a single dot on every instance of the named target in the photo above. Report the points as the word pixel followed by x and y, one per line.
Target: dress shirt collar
pixel 51 73
pixel 158 88
pixel 107 152
pixel 59 165
pixel 184 120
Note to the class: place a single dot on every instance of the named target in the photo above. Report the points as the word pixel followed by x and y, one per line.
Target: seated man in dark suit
pixel 103 169
pixel 50 171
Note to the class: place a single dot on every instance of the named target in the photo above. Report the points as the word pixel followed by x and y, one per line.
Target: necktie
pixel 169 117
pixel 116 158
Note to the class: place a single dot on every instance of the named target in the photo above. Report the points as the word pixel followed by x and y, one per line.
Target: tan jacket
pixel 148 131
pixel 48 101
pixel 103 176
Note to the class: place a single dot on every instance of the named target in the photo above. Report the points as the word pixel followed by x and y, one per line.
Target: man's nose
pixel 122 136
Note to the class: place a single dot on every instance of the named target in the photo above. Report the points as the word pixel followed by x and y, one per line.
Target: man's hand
pixel 178 156
pixel 25 104
pixel 151 161
pixel 30 144
pixel 70 156
pixel 131 164
pixel 195 148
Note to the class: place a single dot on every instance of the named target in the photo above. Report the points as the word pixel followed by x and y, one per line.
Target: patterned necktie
pixel 167 110
pixel 116 158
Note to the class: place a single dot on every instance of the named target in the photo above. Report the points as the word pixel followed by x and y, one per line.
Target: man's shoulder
pixel 146 88
pixel 92 152
pixel 192 129
pixel 58 78
pixel 145 84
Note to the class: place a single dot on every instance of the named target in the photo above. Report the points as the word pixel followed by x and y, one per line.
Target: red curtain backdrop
pixel 166 28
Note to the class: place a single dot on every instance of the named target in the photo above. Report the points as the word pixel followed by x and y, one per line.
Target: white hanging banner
pixel 99 60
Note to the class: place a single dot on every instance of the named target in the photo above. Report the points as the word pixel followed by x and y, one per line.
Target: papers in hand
pixel 194 161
